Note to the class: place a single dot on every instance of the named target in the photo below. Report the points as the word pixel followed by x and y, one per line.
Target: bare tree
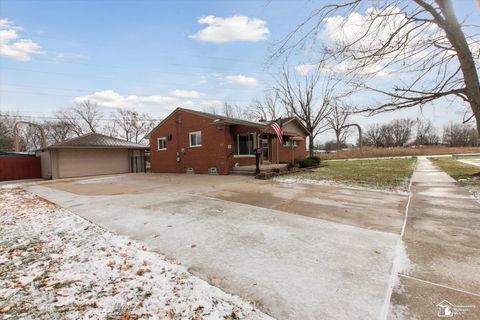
pixel 426 133
pixel 143 125
pixel 309 98
pixel 6 139
pixel 210 109
pixel 132 125
pixel 460 135
pixel 123 124
pixel 394 134
pixel 421 38
pixel 388 140
pixel 337 121
pixel 374 136
pixel 31 138
pixel 7 121
pixel 401 131
pixel 333 145
pixel 269 108
pixel 57 131
pixel 234 111
pixel 110 128
pixel 82 118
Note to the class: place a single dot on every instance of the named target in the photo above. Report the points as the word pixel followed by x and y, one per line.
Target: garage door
pixel 91 162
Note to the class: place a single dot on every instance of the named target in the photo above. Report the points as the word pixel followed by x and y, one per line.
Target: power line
pixel 206 99
pixel 57 73
pixel 151 70
pixel 76 75
pixel 48 113
pixel 123 44
pixel 154 71
pixel 62 118
pixel 219 78
pixel 50 88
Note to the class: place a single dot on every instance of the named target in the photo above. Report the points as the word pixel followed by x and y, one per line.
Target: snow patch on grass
pixel 55 264
pixel 338 184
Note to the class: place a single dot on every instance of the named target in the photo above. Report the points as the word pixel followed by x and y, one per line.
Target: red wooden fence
pixel 19 167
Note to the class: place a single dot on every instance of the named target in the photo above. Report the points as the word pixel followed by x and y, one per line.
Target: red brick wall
pixel 244 161
pixel 285 152
pixel 212 153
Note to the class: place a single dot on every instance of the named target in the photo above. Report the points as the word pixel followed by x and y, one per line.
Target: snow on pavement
pixel 54 264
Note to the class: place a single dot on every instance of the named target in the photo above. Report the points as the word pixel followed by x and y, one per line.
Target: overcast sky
pixel 155 55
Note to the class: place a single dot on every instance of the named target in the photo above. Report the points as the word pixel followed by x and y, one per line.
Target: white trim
pixel 244 156
pixel 164 143
pixel 237 149
pixel 260 142
pixel 289 145
pixel 190 134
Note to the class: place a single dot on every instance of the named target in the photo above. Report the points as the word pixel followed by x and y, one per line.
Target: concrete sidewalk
pixel 443 244
pixel 473 162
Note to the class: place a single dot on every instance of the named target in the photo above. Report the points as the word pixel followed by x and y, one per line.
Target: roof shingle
pixel 96 140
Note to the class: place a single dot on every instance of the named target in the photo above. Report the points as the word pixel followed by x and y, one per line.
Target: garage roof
pixel 96 140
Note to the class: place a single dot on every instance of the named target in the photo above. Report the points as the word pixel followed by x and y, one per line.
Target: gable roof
pixel 223 120
pixel 96 140
pixel 298 122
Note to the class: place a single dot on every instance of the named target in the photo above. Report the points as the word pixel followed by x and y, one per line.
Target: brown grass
pixel 370 152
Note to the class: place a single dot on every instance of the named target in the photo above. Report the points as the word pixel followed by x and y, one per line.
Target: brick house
pixel 201 141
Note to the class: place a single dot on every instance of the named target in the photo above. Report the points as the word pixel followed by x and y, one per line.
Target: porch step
pixel 243 171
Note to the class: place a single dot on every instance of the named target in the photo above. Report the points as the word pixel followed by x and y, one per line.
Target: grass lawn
pixel 391 174
pixel 467 175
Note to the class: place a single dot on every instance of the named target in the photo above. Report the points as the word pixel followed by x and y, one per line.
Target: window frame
pixel 164 139
pixel 190 134
pixel 237 145
pixel 290 143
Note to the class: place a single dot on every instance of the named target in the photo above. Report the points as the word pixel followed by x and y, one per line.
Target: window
pixel 196 139
pixel 162 144
pixel 244 144
pixel 289 143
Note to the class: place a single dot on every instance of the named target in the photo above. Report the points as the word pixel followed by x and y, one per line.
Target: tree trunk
pixel 455 35
pixel 310 146
pixel 337 134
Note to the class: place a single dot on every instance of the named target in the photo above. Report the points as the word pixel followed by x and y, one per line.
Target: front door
pixel 265 148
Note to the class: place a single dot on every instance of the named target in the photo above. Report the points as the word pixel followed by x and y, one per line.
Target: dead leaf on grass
pixel 7 308
pixel 142 271
pixel 170 313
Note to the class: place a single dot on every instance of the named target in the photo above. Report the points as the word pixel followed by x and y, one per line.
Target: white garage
pixel 90 155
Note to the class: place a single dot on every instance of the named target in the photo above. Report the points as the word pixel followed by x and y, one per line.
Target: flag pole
pixel 293 156
pixel 278 152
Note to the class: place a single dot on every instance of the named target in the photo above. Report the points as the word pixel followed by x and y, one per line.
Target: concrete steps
pixel 246 171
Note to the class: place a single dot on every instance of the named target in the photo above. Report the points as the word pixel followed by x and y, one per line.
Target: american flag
pixel 277 126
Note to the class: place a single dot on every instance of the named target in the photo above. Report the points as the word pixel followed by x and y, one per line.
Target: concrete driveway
pixel 299 252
